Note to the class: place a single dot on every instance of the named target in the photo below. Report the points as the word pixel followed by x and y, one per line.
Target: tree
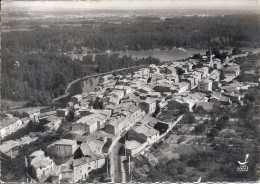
pixel 98 104
pixel 70 116
pixel 188 118
pixel 197 56
pixel 181 139
pixel 200 110
pixel 236 51
pixel 199 128
pixel 213 133
pixel 149 80
pixel 180 71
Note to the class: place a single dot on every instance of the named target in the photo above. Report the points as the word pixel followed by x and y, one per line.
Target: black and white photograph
pixel 127 91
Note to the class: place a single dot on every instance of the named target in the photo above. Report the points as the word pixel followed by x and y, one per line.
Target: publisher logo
pixel 243 167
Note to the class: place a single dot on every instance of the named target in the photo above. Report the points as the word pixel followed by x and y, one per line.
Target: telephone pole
pixel 107 168
pixel 26 168
pixel 125 147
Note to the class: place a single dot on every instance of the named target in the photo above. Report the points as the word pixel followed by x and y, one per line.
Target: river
pixel 81 86
pixel 163 55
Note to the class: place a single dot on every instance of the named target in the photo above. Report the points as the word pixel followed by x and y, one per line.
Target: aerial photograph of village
pixel 130 91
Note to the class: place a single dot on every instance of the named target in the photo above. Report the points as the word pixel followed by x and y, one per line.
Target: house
pixel 63 112
pixel 143 133
pixel 134 147
pixel 119 94
pixel 173 78
pixel 41 165
pixel 189 99
pixel 148 105
pixel 31 113
pixel 86 112
pixel 110 100
pixel 224 100
pixel 126 89
pixel 124 82
pixel 84 165
pixel 43 116
pixel 189 80
pixel 69 105
pixel 109 84
pixel 205 85
pixel 66 173
pixel 216 64
pixel 10 148
pixel 105 112
pixel 123 118
pixel 234 86
pixel 105 78
pixel 204 71
pixel 10 125
pixel 235 98
pixel 76 99
pixel 183 87
pixel 25 120
pixel 205 105
pixel 53 122
pixel 232 70
pixel 62 148
pixel 154 94
pixel 90 123
pixel 116 125
pixel 170 70
pixel 93 142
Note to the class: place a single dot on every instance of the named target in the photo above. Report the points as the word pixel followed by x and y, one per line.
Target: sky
pixel 129 4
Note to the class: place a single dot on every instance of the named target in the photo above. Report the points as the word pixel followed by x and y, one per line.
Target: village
pixel 125 111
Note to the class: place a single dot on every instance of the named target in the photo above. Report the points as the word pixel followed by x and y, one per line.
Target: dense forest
pixel 196 32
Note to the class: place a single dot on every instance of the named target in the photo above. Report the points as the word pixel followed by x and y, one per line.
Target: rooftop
pixel 149 100
pixel 38 153
pixel 47 113
pixel 232 67
pixel 85 160
pixel 132 145
pixel 91 119
pixel 206 81
pixel 67 142
pixel 86 149
pixel 41 162
pixel 6 146
pixel 117 120
pixel 8 121
pixel 53 118
pixel 146 130
pixel 66 168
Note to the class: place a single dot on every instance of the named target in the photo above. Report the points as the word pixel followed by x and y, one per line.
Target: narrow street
pixel 115 165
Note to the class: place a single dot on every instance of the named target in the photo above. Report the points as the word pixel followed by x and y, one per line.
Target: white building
pixel 42 166
pixel 205 85
pixel 62 148
pixel 82 166
pixel 10 125
pixel 90 123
